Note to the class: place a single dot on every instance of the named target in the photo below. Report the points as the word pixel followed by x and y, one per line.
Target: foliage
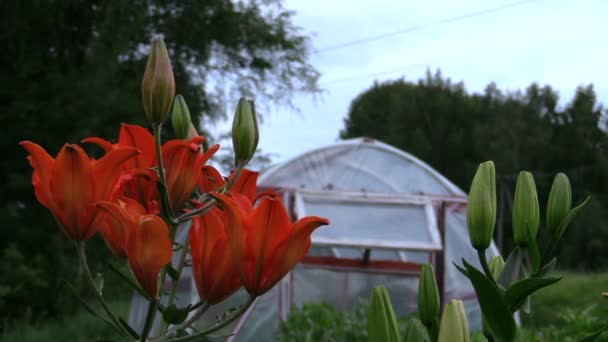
pixel 453 130
pixel 72 68
pixel 77 327
pixel 323 322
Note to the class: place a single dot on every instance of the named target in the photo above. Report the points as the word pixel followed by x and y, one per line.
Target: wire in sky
pixel 421 27
pixel 400 68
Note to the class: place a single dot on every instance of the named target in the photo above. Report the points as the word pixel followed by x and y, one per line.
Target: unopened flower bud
pixel 497 264
pixel 454 325
pixel 526 214
pixel 415 331
pixel 381 321
pixel 158 85
pixel 481 209
pixel 245 132
pixel 180 118
pixel 559 204
pixel 428 296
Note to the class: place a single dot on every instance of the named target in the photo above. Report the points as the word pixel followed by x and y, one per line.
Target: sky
pixel 512 43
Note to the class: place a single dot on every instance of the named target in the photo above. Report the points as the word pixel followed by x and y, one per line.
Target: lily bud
pixel 526 214
pixel 415 331
pixel 381 321
pixel 180 118
pixel 560 202
pixel 497 264
pixel 481 209
pixel 454 324
pixel 245 132
pixel 158 85
pixel 428 296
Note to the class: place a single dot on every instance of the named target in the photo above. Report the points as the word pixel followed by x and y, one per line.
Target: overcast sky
pixel 562 43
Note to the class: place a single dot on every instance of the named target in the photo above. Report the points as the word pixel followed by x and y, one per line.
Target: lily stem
pixel 149 319
pixel 484 264
pixel 219 326
pixel 98 295
pixel 164 192
pixel 180 268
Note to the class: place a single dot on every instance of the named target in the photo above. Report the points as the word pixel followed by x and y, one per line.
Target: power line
pixel 421 27
pixel 400 68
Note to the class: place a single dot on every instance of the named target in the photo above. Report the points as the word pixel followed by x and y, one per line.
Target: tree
pixel 72 69
pixel 453 130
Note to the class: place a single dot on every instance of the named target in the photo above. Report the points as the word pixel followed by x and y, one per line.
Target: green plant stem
pixel 180 268
pixel 203 308
pixel 197 212
pixel 98 295
pixel 164 191
pixel 149 319
pixel 219 326
pixel 484 265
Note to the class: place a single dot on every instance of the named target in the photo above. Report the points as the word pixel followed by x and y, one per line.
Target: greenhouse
pixel 390 213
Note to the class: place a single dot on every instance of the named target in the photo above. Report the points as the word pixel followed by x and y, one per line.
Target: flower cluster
pixel 139 192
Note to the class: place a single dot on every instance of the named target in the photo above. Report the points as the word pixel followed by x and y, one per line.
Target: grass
pixel 576 292
pixel 79 327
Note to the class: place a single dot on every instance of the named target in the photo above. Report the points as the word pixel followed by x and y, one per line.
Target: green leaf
pixel 128 280
pixel 548 268
pixel 594 336
pixel 517 293
pixel 512 270
pixel 564 224
pixel 175 315
pixel 461 269
pixel 493 306
pixel 89 308
pixel 126 325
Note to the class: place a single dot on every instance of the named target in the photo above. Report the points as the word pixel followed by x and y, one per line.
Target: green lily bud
pixel 428 296
pixel 559 204
pixel 381 321
pixel 158 85
pixel 415 331
pixel 526 214
pixel 454 325
pixel 180 118
pixel 496 264
pixel 481 210
pixel 245 132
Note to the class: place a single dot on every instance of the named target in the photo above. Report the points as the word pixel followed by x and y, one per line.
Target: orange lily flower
pixel 148 251
pixel 71 183
pixel 245 184
pixel 183 162
pixel 137 181
pixel 264 242
pixel 120 219
pixel 215 274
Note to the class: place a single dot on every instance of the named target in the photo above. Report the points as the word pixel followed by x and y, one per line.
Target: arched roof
pixel 360 164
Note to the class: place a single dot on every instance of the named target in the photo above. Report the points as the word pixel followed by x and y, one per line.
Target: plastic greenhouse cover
pixel 359 165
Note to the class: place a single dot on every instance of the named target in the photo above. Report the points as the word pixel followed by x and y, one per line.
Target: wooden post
pixel 440 255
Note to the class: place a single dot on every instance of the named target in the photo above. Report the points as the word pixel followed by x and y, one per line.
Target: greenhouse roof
pixel 359 165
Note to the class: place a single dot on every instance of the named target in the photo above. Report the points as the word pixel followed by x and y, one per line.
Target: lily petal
pixel 72 187
pixel 291 250
pixel 107 170
pixel 42 163
pixel 148 251
pixel 102 143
